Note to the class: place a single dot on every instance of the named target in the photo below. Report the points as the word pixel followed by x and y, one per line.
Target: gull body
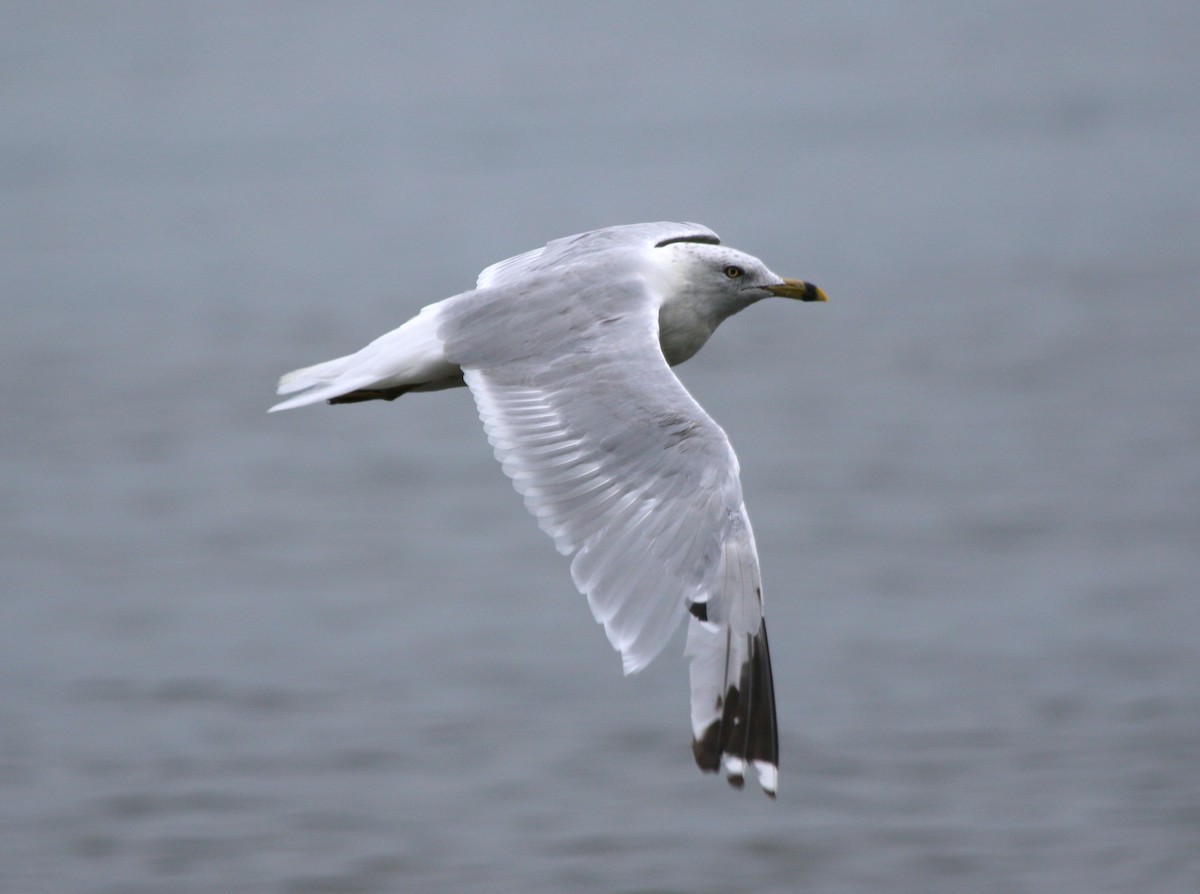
pixel 567 350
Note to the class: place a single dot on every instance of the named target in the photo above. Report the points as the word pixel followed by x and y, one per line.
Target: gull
pixel 567 351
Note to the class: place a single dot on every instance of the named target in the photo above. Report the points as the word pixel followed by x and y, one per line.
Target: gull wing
pixel 570 249
pixel 625 470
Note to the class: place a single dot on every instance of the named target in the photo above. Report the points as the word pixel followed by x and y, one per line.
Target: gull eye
pixel 733 271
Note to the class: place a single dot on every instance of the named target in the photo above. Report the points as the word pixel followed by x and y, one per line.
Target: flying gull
pixel 567 351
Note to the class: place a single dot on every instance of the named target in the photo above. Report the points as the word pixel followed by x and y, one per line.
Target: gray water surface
pixel 327 651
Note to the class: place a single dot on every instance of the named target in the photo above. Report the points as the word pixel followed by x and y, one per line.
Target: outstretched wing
pixel 625 470
pixel 572 249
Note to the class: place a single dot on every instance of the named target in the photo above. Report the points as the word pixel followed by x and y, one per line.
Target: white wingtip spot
pixel 768 777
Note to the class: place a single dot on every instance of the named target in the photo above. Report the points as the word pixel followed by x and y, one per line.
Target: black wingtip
pixel 707 749
pixel 747 730
pixel 762 737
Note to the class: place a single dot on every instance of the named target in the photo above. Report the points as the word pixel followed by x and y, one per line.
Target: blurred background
pixel 327 651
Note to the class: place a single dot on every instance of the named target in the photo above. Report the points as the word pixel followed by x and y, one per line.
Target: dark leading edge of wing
pixel 693 237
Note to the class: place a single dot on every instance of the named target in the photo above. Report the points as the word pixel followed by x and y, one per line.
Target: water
pixel 328 652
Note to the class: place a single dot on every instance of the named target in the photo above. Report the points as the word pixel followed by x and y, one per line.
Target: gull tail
pixel 319 389
pixel 322 381
pixel 312 376
pixel 406 359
